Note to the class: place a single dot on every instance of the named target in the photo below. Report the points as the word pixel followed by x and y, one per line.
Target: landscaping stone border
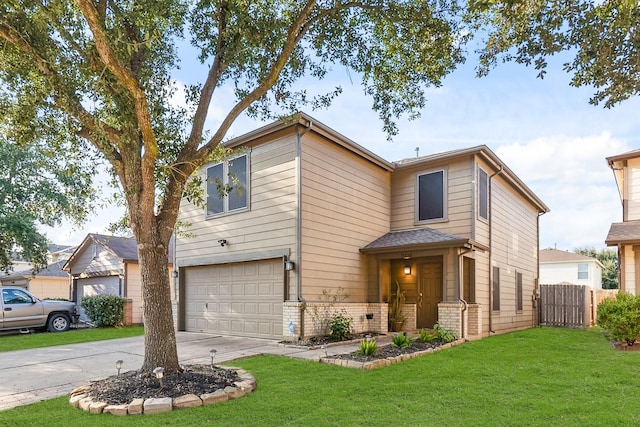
pixel 380 363
pixel 80 399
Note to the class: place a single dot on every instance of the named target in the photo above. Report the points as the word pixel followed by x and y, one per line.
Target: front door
pixel 429 294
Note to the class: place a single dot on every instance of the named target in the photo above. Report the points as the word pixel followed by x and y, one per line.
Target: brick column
pixel 450 316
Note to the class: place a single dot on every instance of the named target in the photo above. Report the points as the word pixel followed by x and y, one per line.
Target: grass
pixel 538 377
pixel 72 336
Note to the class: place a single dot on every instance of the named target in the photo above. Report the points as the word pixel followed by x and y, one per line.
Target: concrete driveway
pixel 33 375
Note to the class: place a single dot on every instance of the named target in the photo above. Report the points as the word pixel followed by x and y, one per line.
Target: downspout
pixel 490 191
pixel 299 296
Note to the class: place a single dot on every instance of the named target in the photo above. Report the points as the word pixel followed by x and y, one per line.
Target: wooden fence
pixel 570 306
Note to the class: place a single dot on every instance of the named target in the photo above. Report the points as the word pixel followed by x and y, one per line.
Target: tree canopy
pixel 602 37
pixel 43 181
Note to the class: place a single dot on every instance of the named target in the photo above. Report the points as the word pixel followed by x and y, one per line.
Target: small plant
pixel 401 340
pixel 321 314
pixel 340 325
pixel 396 317
pixel 436 334
pixel 368 347
pixel 444 335
pixel 426 335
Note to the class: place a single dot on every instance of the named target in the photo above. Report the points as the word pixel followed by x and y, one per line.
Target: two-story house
pixel 321 220
pixel 558 266
pixel 625 235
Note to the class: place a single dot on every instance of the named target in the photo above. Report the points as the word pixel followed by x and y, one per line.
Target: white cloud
pixel 571 176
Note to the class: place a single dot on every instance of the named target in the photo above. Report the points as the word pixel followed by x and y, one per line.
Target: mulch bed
pixel 194 379
pixel 389 351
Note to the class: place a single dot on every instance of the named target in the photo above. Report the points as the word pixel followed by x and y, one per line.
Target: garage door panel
pixel 243 299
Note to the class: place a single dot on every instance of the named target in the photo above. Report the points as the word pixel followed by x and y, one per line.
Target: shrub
pixel 340 326
pixel 321 314
pixel 104 310
pixel 401 340
pixel 437 334
pixel 367 348
pixel 620 317
pixel 426 335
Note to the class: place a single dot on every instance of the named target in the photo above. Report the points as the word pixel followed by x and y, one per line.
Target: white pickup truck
pixel 21 310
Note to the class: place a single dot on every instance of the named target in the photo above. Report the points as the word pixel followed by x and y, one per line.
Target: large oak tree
pixel 105 68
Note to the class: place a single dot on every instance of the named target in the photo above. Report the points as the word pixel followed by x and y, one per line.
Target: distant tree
pixel 609 259
pixel 42 182
pixel 602 36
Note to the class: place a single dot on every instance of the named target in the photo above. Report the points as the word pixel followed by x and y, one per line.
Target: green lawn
pixel 72 336
pixel 542 377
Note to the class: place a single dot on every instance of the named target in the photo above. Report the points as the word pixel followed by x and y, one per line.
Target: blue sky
pixel 544 130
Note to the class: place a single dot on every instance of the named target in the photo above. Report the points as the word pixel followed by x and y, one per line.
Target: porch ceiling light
pixel 407 270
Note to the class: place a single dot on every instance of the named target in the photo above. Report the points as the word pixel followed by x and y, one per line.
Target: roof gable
pixel 550 256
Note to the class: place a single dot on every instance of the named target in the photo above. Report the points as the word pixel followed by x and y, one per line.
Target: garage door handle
pixel 206 305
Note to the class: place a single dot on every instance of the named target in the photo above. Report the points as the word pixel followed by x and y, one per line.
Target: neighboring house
pixel 625 235
pixel 51 282
pixel 567 267
pixel 319 216
pixel 104 264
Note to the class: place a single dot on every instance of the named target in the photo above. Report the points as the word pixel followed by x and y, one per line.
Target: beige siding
pixel 514 250
pixel 628 269
pixel 270 223
pixel 633 190
pixel 133 291
pixel 345 205
pixel 459 202
pixel 49 287
pixel 95 259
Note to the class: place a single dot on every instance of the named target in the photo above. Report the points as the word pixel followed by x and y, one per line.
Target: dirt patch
pixel 194 379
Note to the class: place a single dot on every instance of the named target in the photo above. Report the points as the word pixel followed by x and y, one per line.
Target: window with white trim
pixel 228 186
pixel 583 271
pixel 483 194
pixel 431 204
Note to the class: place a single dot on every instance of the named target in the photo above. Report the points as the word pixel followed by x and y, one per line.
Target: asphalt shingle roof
pixel 556 255
pixel 414 237
pixel 623 232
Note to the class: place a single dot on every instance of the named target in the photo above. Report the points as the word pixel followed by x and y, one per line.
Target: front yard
pixel 542 376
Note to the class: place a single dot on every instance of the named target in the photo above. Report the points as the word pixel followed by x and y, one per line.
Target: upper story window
pixel 227 186
pixel 483 194
pixel 431 204
pixel 583 271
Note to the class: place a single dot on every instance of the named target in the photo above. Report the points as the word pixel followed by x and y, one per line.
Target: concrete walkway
pixel 33 375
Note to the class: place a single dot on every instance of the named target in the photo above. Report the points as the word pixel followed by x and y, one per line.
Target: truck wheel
pixel 58 322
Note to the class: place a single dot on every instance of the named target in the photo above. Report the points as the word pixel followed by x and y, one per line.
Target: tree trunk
pixel 159 334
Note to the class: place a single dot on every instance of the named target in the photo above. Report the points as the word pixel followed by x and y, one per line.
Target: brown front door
pixel 429 294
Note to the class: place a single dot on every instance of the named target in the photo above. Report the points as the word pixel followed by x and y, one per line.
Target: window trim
pixel 586 271
pixel 486 182
pixel 444 197
pixel 225 180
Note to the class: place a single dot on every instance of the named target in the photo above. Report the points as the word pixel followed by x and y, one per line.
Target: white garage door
pixel 240 299
pixel 98 286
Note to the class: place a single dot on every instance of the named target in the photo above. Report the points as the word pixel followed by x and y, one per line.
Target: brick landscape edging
pixel 380 363
pixel 79 399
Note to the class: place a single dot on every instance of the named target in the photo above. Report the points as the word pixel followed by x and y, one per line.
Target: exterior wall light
pixel 289 266
pixel 407 270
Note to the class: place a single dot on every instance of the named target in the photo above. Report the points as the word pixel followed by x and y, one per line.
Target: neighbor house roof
pixel 51 270
pixel 415 238
pixel 623 232
pixel 551 255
